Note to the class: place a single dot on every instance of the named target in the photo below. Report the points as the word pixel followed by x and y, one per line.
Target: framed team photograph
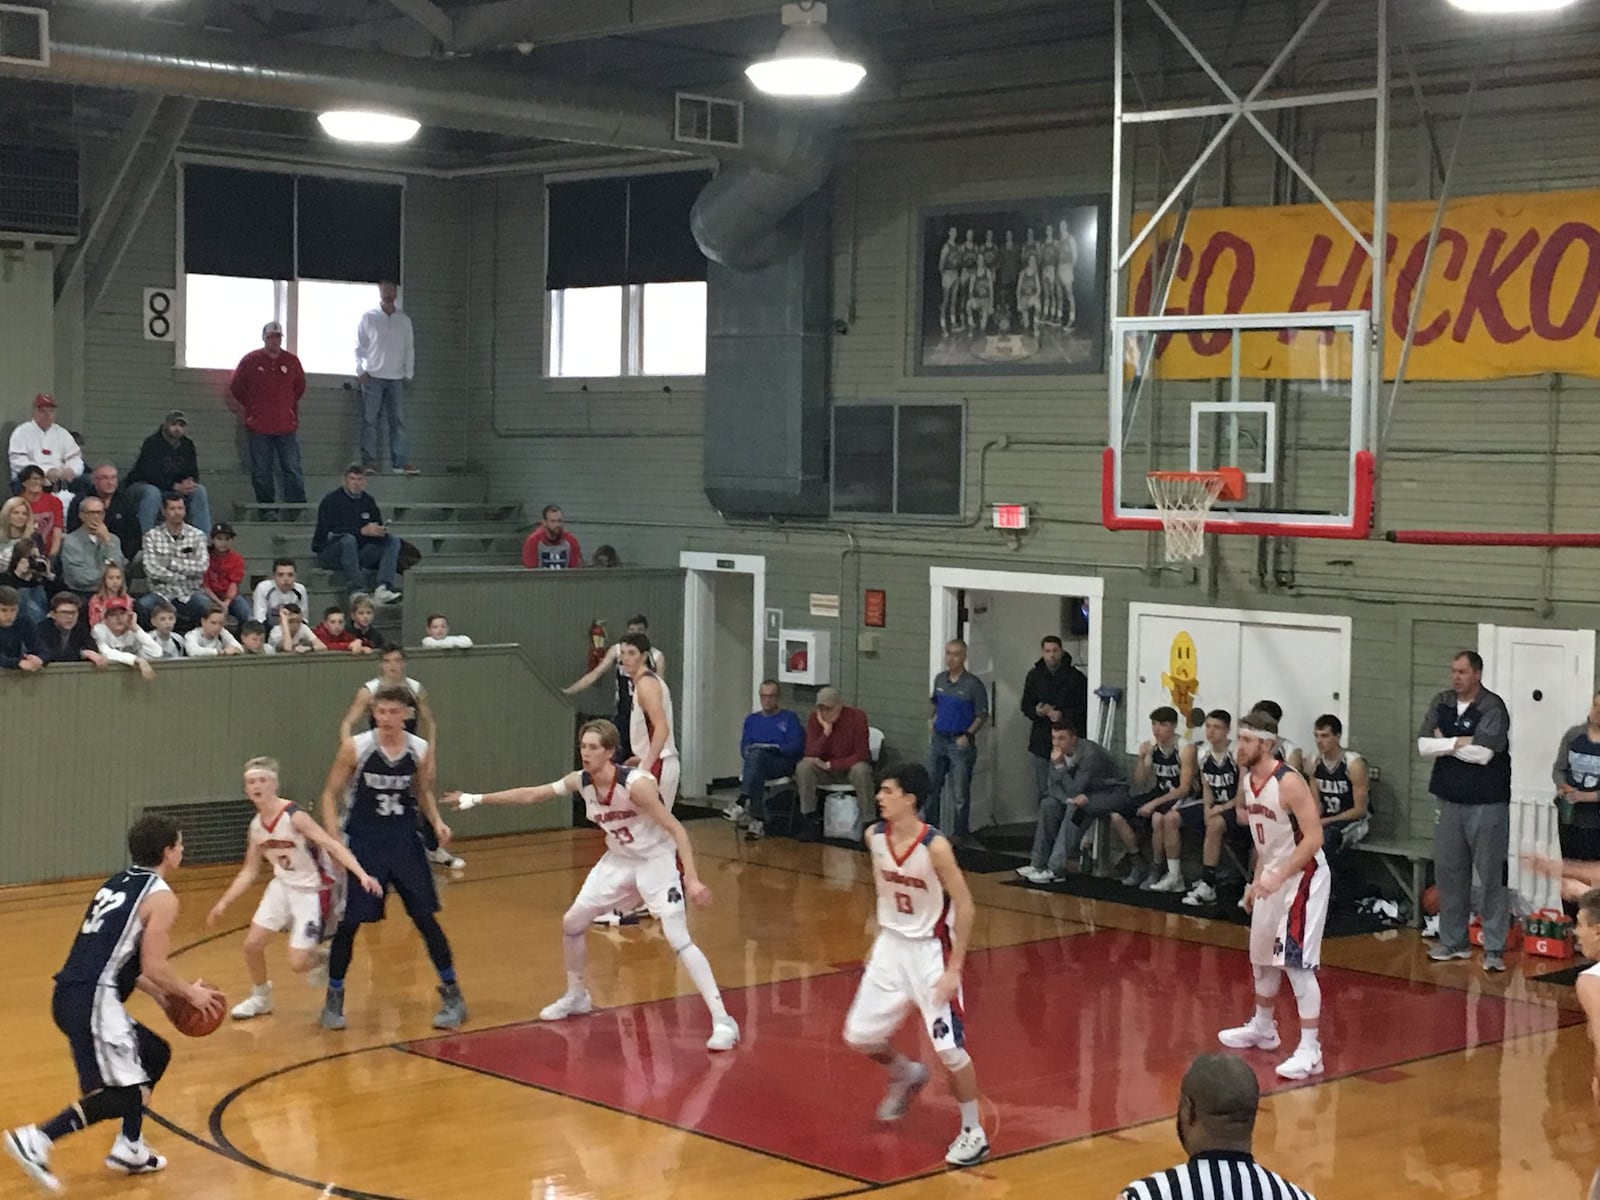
pixel 1014 288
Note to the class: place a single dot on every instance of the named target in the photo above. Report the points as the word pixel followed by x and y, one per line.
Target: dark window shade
pixel 661 247
pixel 928 475
pixel 587 240
pixel 863 458
pixel 238 222
pixel 348 231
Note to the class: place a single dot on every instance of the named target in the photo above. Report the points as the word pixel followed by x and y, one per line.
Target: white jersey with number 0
pixel 628 831
pixel 295 860
pixel 911 900
pixel 1272 827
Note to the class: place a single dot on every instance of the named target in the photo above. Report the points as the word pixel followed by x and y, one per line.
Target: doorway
pixel 1002 615
pixel 1546 678
pixel 724 659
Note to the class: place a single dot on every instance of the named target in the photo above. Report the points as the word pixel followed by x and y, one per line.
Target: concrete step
pixel 481 545
pixel 398 513
pixel 227 488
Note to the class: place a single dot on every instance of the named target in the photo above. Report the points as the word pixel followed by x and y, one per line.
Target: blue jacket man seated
pixel 351 538
pixel 772 742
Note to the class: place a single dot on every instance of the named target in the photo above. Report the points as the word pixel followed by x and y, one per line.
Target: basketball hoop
pixel 1184 500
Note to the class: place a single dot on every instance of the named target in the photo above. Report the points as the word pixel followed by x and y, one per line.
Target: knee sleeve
pixel 1268 981
pixel 1307 992
pixel 110 1104
pixel 675 927
pixel 954 1059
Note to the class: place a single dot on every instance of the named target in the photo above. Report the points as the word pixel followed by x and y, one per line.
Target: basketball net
pixel 1184 502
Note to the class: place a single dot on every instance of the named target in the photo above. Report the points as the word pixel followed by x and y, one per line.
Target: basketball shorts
pixel 304 912
pixel 666 772
pixel 1286 927
pixel 109 1048
pixel 900 975
pixel 622 883
pixel 398 864
pixel 1193 817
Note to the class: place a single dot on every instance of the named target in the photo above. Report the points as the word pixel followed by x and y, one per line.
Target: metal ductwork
pixel 738 218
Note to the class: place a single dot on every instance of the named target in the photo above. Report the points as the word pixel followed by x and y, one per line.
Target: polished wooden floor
pixel 277 1108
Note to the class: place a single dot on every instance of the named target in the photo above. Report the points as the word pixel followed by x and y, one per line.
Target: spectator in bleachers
pixel 1339 777
pixel 122 641
pixel 49 516
pixel 386 359
pixel 837 750
pixel 273 593
pixel 605 556
pixel 1082 783
pixel 16 523
pixel 28 573
pixel 44 444
pixel 253 638
pixel 113 585
pixel 168 465
pixel 1054 689
pixel 332 632
pixel 211 638
pixel 550 547
pixel 88 549
pixel 291 635
pixel 268 384
pixel 362 611
pixel 19 645
pixel 225 574
pixel 121 514
pixel 439 636
pixel 62 637
pixel 163 620
pixel 175 561
pixel 351 538
pixel 772 741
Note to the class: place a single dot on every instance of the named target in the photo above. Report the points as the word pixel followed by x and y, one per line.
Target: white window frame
pixel 288 300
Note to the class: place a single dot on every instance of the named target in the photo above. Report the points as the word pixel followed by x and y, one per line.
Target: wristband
pixel 469 800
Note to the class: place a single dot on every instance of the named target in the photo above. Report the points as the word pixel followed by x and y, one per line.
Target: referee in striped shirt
pixel 1217 1105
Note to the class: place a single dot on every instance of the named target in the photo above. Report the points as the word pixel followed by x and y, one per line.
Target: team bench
pixel 1417 852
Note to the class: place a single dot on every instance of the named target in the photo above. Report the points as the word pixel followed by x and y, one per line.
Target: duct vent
pixel 708 121
pixel 39 190
pixel 24 35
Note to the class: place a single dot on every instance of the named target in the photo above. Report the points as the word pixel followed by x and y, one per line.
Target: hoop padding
pixel 1184 502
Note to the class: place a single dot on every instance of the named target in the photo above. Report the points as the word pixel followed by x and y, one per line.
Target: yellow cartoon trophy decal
pixel 1180 679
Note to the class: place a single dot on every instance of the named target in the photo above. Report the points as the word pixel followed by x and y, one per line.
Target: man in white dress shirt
pixel 386 359
pixel 44 444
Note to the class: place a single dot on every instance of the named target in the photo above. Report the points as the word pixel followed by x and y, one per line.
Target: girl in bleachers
pixel 113 586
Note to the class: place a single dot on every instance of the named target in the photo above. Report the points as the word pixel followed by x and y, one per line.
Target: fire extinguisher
pixel 597 643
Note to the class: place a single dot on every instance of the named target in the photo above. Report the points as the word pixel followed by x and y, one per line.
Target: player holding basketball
pixel 644 845
pixel 298 898
pixel 917 957
pixel 1288 899
pixel 387 775
pixel 122 944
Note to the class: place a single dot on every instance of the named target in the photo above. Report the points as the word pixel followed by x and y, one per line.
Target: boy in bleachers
pixel 440 638
pixel 333 634
pixel 362 609
pixel 225 574
pixel 211 638
pixel 291 635
pixel 163 622
pixel 253 638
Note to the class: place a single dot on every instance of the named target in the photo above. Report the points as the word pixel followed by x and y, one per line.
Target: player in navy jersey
pixel 1219 789
pixel 387 775
pixel 122 944
pixel 1339 776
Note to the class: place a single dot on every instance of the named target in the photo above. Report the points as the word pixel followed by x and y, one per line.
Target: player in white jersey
pixel 655 749
pixel 924 927
pixel 644 846
pixel 299 897
pixel 1288 899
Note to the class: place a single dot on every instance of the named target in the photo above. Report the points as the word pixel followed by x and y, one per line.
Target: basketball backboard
pixel 1281 396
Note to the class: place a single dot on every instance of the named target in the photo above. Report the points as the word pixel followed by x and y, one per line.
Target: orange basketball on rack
pixel 194 1022
pixel 1430 901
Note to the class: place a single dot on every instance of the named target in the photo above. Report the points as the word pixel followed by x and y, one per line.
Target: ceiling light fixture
pixel 374 128
pixel 1510 8
pixel 805 62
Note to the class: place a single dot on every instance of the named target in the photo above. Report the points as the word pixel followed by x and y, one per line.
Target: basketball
pixel 1430 901
pixel 191 1021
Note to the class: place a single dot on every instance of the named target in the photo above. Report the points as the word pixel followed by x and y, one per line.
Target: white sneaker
pixel 1154 876
pixel 970 1148
pixel 734 813
pixel 256 1004
pixel 901 1092
pixel 1250 1036
pixel 31 1150
pixel 1301 1063
pixel 1172 881
pixel 724 1034
pixel 134 1158
pixel 1200 894
pixel 1033 874
pixel 570 1005
pixel 446 859
pixel 384 594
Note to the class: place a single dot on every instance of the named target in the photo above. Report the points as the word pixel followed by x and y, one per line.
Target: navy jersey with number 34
pixel 106 951
pixel 382 796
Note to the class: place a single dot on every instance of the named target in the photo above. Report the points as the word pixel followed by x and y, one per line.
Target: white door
pixel 1546 678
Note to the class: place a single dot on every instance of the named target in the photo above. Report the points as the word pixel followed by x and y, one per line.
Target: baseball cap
pixel 829 697
pixel 176 415
pixel 222 529
pixel 119 604
pixel 271 327
pixel 44 400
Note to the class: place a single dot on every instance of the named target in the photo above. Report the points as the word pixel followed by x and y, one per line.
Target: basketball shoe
pixel 902 1090
pixel 134 1158
pixel 1304 1062
pixel 1200 894
pixel 332 1009
pixel 724 1034
pixel 257 1004
pixel 31 1149
pixel 970 1148
pixel 1251 1036
pixel 571 1004
pixel 453 1013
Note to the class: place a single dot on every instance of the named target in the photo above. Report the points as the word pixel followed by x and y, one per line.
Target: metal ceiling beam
pixel 430 16
pixel 176 113
pixel 107 194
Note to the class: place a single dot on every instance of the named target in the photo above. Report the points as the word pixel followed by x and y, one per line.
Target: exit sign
pixel 1010 516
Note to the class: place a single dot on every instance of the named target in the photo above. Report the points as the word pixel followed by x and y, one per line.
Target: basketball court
pixel 1082 1017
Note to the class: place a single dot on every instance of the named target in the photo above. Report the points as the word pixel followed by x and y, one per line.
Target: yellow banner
pixel 1514 288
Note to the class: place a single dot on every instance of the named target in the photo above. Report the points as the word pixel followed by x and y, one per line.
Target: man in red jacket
pixel 268 384
pixel 836 752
